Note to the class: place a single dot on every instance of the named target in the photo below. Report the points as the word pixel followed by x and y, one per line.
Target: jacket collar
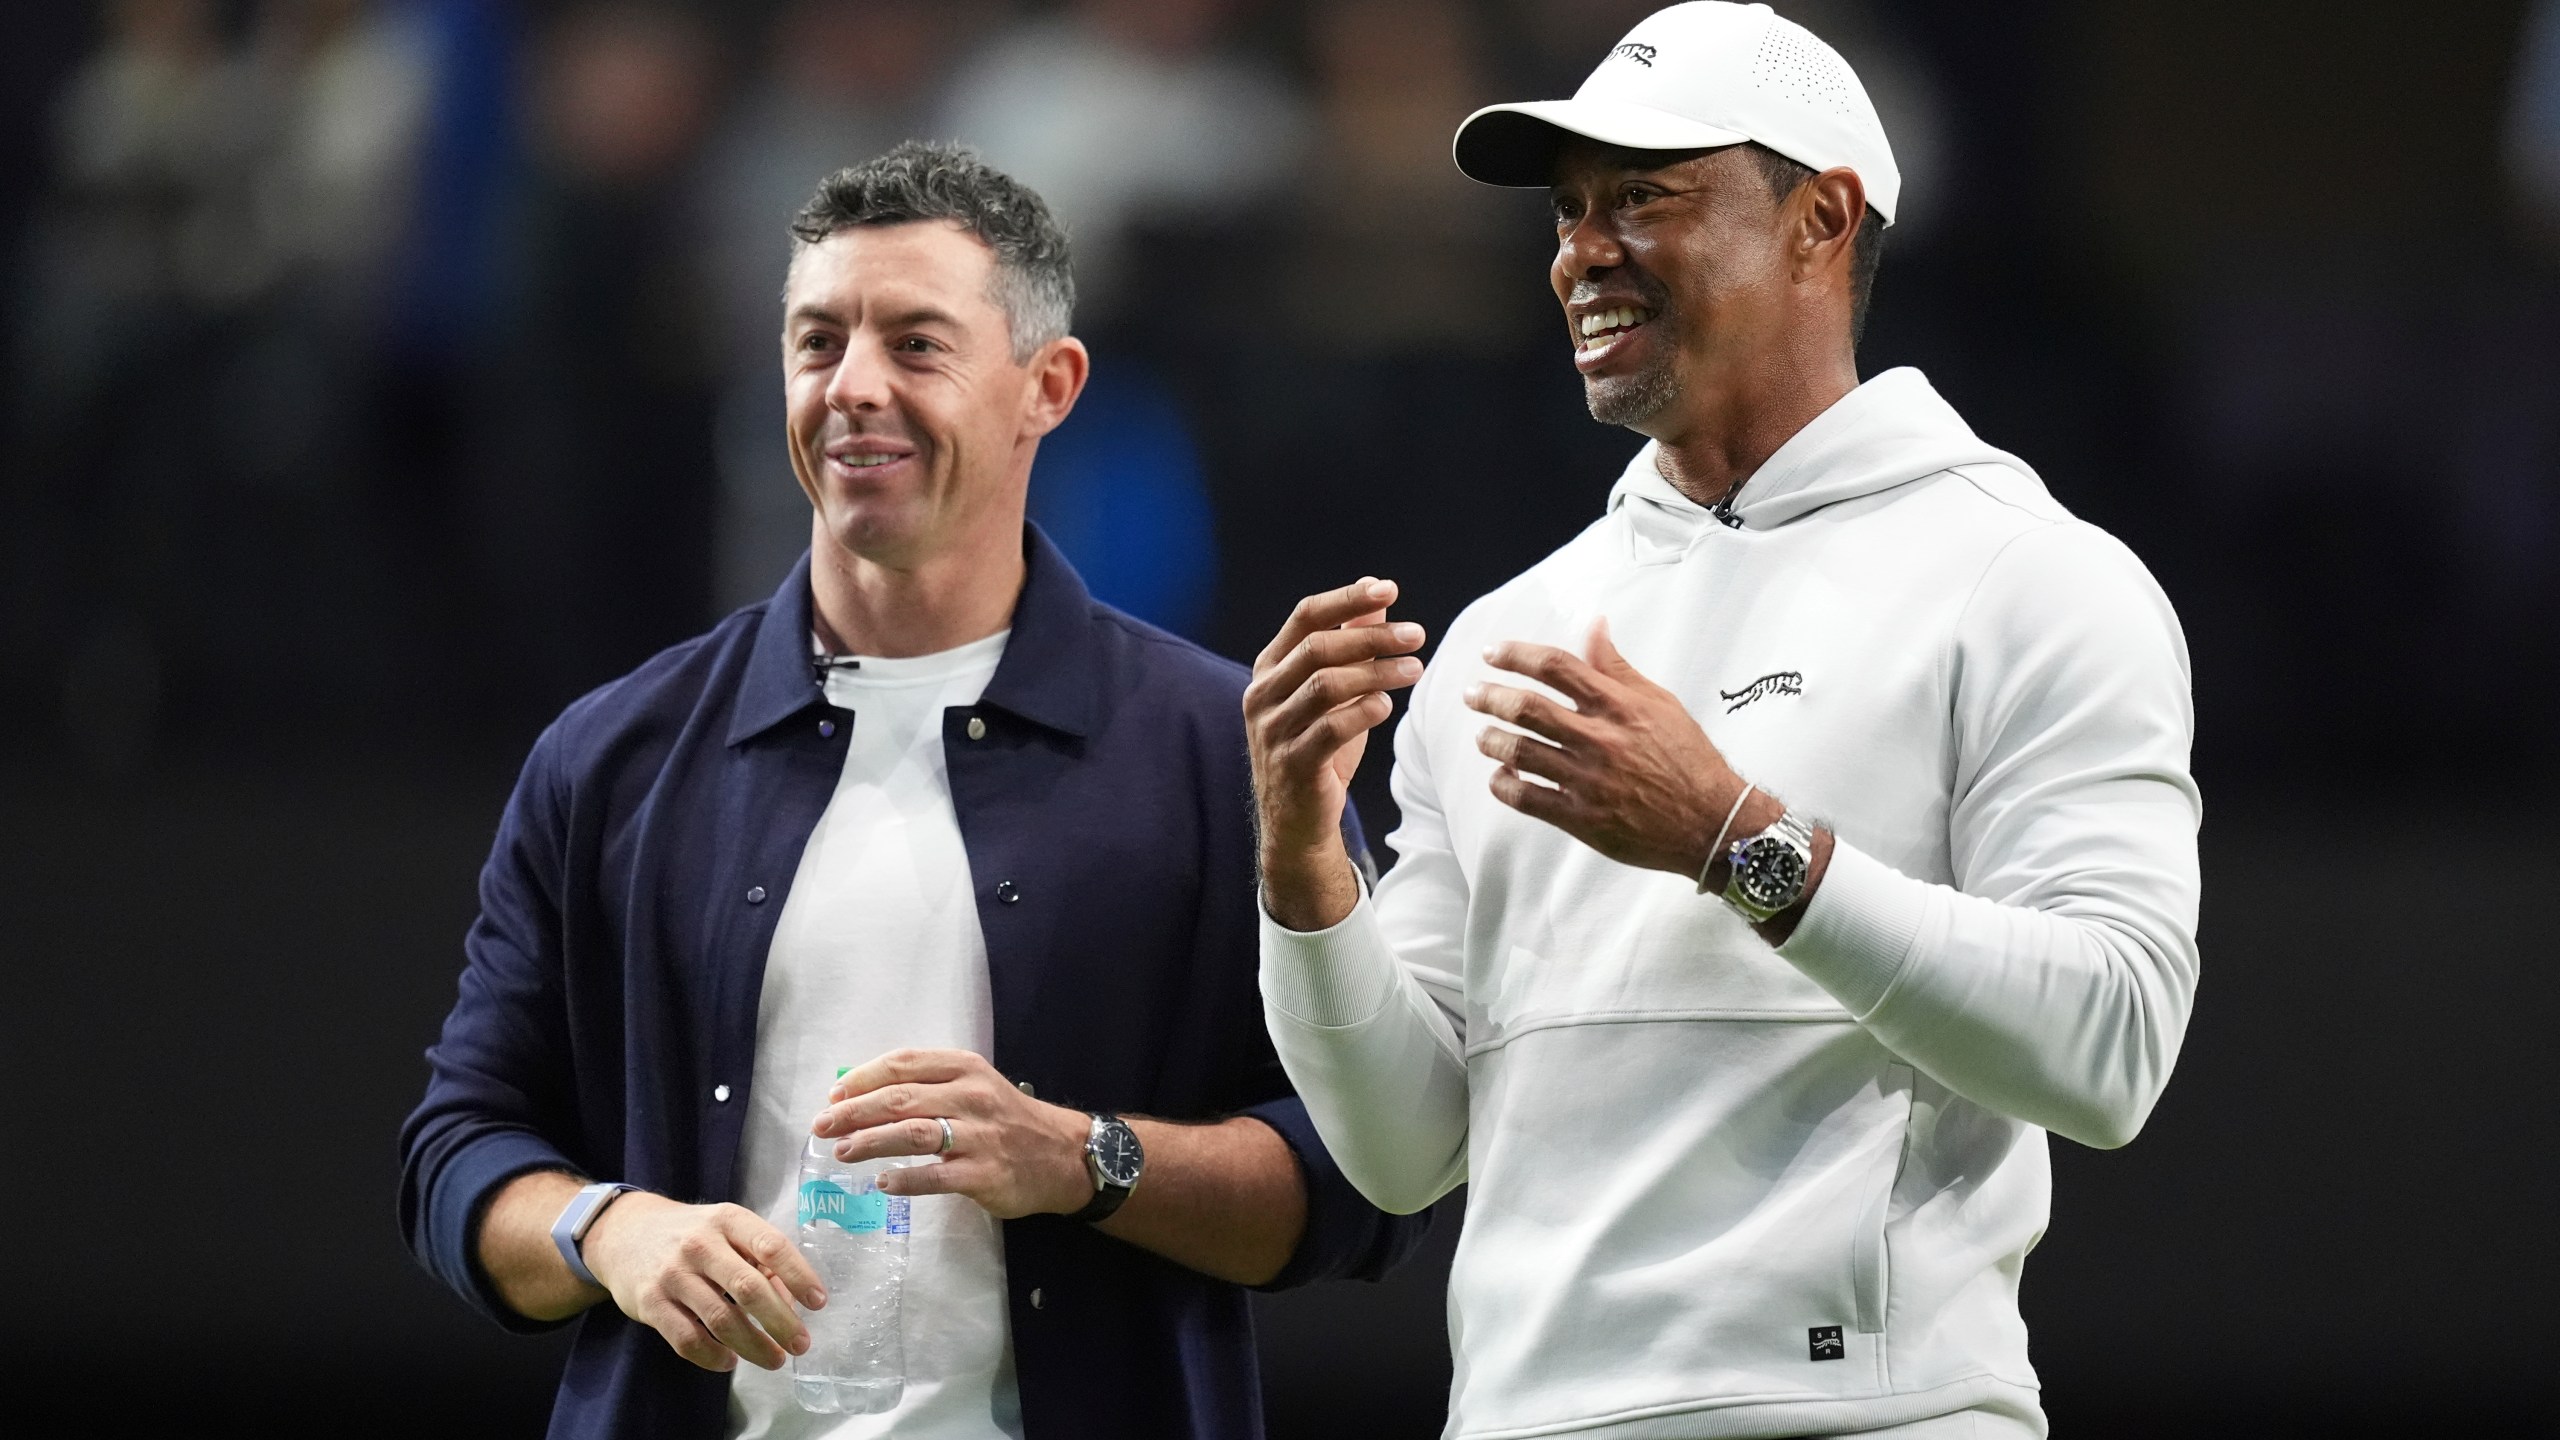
pixel 1050 673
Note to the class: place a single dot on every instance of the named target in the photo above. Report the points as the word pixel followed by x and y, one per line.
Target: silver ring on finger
pixel 946 1136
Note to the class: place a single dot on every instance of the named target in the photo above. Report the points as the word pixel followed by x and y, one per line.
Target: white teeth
pixel 1624 317
pixel 865 462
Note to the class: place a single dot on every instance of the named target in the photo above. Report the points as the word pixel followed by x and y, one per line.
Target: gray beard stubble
pixel 1630 400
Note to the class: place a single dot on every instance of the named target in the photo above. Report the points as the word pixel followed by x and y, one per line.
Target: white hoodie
pixel 1692 1154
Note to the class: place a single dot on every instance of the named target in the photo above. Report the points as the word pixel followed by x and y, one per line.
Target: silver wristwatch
pixel 1114 1159
pixel 1770 869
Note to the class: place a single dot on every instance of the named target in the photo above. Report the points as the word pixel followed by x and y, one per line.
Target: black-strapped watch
pixel 1115 1160
pixel 1770 869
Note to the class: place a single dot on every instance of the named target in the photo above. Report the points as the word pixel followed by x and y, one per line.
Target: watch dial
pixel 1772 874
pixel 1117 1154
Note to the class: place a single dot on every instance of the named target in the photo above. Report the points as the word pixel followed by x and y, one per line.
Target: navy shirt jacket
pixel 607 1017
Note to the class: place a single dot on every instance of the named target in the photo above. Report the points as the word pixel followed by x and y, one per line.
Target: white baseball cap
pixel 1694 77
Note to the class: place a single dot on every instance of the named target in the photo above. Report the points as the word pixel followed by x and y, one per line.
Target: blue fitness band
pixel 580 1216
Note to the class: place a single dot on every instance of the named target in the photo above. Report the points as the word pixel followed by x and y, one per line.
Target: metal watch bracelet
pixel 1792 837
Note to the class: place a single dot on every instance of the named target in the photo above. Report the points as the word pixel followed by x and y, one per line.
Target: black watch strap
pixel 1105 1202
pixel 1107 1195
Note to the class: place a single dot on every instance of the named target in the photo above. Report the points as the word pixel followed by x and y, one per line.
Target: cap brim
pixel 1517 144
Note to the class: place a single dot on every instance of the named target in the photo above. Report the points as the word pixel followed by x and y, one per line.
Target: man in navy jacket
pixel 1034 883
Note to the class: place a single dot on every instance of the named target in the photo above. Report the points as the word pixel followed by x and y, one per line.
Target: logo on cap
pixel 1641 54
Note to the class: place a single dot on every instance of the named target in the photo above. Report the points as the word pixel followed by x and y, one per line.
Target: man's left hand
pixel 1012 1154
pixel 1631 773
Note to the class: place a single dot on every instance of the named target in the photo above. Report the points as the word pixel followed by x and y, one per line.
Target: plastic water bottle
pixel 855 1236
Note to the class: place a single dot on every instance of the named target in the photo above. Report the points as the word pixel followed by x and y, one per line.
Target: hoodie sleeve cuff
pixel 1328 978
pixel 1859 928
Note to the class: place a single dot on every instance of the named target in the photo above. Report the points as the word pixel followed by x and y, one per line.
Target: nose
pixel 1589 247
pixel 860 382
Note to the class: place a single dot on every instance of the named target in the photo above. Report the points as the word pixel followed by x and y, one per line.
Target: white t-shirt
pixel 879 947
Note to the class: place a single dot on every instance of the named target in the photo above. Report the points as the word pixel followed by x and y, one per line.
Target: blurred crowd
pixel 413 362
pixel 374 355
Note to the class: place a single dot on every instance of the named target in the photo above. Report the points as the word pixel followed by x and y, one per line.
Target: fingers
pixel 904 1116
pixel 1329 610
pixel 1528 710
pixel 1563 671
pixel 1334 687
pixel 1331 666
pixel 1602 651
pixel 1538 802
pixel 1337 628
pixel 1518 752
pixel 720 1286
pixel 901 1137
pixel 1300 754
pixel 905 1067
pixel 685 1335
pixel 773 1252
pixel 747 1311
pixel 894 1102
pixel 951 1177
pixel 727 1321
pixel 748 1287
pixel 1349 646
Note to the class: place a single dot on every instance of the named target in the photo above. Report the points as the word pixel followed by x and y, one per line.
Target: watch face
pixel 1770 873
pixel 1117 1155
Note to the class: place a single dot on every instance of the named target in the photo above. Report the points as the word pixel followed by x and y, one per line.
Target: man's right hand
pixel 716 1280
pixel 1318 689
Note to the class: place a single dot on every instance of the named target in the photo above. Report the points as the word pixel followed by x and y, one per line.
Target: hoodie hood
pixel 1890 431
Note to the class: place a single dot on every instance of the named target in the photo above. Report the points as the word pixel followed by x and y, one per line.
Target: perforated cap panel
pixel 1791 62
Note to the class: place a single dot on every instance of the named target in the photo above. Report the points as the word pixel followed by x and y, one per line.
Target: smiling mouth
pixel 1602 326
pixel 861 456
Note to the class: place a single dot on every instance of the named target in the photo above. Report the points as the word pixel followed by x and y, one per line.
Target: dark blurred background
pixel 379 376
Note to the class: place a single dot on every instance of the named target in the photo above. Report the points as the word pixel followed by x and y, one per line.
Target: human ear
pixel 1057 376
pixel 1828 208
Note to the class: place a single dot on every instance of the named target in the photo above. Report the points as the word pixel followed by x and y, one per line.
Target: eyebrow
pixel 916 315
pixel 920 315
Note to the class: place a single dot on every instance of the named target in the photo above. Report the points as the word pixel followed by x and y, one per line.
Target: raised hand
pixel 1318 689
pixel 1627 770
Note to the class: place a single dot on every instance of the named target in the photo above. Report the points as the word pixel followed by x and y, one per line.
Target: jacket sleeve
pixel 1368 1016
pixel 2052 980
pixel 499 1094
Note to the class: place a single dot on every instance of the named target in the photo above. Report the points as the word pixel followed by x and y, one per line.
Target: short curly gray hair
pixel 1035 282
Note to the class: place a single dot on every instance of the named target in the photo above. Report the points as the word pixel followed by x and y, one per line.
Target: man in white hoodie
pixel 1781 859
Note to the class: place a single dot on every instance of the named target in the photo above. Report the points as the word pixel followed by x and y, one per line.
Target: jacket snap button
pixel 1006 893
pixel 826 729
pixel 720 1093
pixel 755 894
pixel 977 728
pixel 1036 1299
